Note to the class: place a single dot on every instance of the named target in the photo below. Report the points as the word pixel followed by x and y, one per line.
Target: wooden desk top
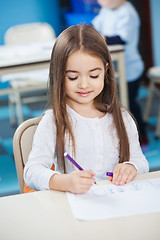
pixel 47 215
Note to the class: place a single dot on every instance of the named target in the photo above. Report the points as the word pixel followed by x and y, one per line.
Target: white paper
pixel 111 201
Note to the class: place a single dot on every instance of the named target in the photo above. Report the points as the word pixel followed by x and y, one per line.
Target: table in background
pixel 47 215
pixel 117 54
pixel 22 58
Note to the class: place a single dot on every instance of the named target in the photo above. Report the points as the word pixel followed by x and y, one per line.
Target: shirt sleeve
pixel 37 171
pixel 127 25
pixel 136 156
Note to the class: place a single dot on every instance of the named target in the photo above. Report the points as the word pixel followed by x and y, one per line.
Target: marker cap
pixel 109 174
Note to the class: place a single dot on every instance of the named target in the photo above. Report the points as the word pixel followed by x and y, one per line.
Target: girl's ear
pixel 107 66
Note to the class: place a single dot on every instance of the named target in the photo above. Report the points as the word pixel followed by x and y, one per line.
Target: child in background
pixel 85 120
pixel 119 23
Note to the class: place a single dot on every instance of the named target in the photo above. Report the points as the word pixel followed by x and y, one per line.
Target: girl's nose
pixel 83 84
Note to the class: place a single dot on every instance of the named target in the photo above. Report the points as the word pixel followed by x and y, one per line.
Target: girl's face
pixel 111 4
pixel 84 78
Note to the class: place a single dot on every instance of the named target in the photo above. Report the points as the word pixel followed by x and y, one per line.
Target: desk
pixel 23 58
pixel 47 215
pixel 30 57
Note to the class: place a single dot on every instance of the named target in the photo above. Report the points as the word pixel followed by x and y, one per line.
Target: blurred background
pixel 61 14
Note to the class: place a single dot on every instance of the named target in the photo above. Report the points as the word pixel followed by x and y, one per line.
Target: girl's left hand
pixel 123 173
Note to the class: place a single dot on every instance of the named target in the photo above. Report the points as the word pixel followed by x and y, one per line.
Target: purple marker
pixel 74 162
pixel 109 174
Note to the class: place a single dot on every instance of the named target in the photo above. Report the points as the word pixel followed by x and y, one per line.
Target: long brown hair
pixel 87 39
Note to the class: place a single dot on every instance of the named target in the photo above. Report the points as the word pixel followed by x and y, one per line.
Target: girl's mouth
pixel 84 94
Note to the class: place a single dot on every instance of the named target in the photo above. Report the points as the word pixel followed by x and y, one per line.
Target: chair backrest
pixel 22 144
pixel 29 33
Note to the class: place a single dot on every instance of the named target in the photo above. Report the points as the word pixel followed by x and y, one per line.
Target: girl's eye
pixel 94 76
pixel 72 78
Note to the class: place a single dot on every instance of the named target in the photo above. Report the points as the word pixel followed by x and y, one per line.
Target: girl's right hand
pixel 79 181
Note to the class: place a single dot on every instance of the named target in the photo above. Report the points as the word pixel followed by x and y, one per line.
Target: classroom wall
pixel 155 22
pixel 13 12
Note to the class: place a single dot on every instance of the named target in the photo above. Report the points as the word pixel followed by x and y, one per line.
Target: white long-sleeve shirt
pixel 97 148
pixel 124 22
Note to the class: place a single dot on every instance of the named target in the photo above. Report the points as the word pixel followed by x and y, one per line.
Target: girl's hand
pixel 123 173
pixel 80 181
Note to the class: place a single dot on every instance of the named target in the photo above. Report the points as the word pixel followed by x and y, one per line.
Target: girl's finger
pixel 125 176
pixel 116 173
pixel 87 182
pixel 110 178
pixel 121 174
pixel 131 176
pixel 86 174
pixel 91 172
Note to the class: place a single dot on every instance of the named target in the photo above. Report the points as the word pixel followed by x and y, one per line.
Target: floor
pixel 8 177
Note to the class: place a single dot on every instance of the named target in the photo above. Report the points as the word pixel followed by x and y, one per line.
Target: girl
pixel 84 120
